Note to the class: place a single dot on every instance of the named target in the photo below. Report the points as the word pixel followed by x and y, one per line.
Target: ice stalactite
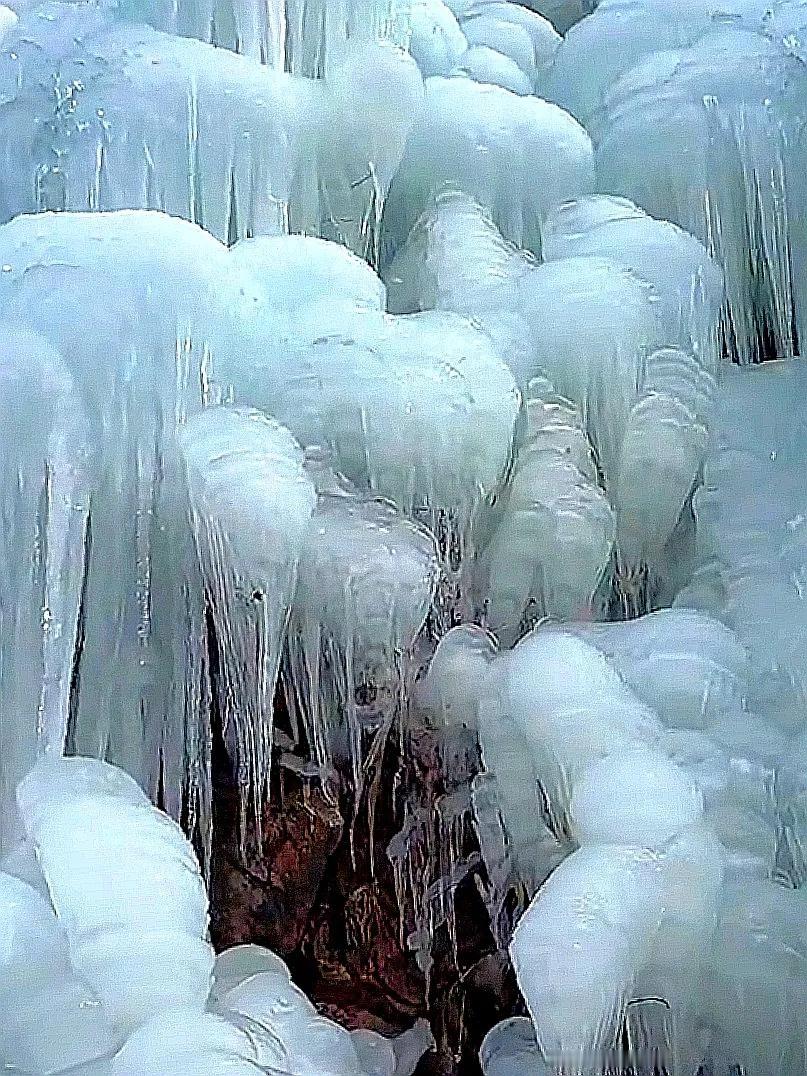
pixel 130 117
pixel 626 284
pixel 304 37
pixel 708 97
pixel 133 118
pixel 251 503
pixel 159 293
pixel 663 448
pixel 355 125
pixel 254 29
pixel 435 852
pixel 517 156
pixel 367 582
pixel 513 831
pixel 43 492
pixel 317 30
pixel 553 543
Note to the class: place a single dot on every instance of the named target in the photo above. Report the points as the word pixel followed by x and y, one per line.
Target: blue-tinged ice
pixel 516 155
pixel 250 506
pixel 367 581
pixel 159 294
pixel 102 847
pixel 43 483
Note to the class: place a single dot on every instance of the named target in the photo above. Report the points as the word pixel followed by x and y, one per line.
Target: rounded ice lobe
pixel 101 846
pixel 517 156
pixel 649 800
pixel 292 271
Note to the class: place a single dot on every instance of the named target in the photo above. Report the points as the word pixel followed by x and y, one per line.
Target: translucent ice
pixel 687 282
pixel 733 178
pixel 436 40
pixel 517 156
pixel 553 543
pixel 591 322
pixel 43 464
pixel 366 584
pixel 158 293
pixel 418 409
pixel 600 48
pixel 251 502
pixel 105 114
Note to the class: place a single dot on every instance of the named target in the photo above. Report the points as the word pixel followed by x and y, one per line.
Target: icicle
pixel 43 504
pixel 251 502
pixel 159 295
pixel 366 584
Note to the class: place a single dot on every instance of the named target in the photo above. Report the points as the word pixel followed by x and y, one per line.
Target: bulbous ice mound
pixel 555 534
pixel 418 409
pixel 109 971
pixel 291 272
pixel 51 1020
pixel 596 51
pixel 517 156
pixel 138 304
pixel 686 280
pixel 521 36
pixel 101 846
pixel 616 285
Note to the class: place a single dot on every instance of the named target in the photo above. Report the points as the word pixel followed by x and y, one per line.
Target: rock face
pixel 314 890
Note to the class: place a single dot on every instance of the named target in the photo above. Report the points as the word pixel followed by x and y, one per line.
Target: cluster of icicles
pixel 397 354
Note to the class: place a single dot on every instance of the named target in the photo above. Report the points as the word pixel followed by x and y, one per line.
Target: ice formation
pixel 43 461
pixel 402 395
pixel 109 971
pixel 367 582
pixel 251 503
